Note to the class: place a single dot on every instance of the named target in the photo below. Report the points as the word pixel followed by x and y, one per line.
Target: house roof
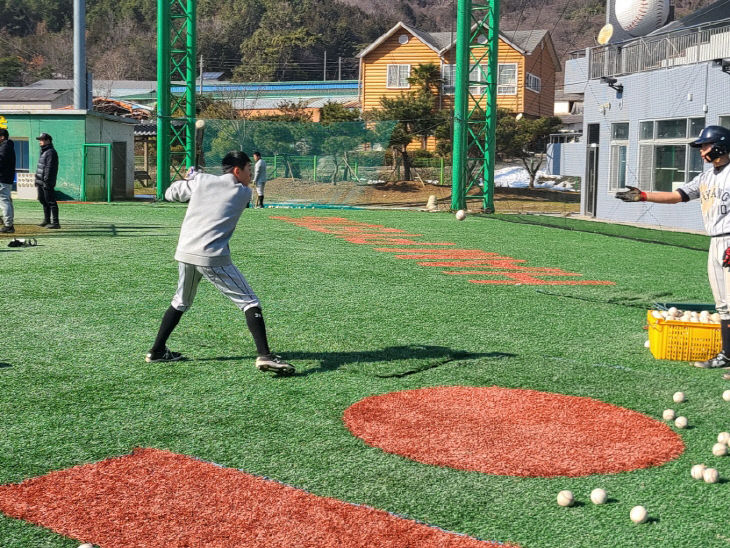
pixel 29 95
pixel 524 41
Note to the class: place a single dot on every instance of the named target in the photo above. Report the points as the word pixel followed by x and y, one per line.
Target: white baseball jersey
pixel 712 187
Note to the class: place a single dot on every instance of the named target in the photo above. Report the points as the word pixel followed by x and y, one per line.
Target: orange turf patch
pixel 503 270
pixel 157 498
pixel 512 432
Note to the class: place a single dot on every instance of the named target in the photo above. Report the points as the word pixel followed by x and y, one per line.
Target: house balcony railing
pixel 682 47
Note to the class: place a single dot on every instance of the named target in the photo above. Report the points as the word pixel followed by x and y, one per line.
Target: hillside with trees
pixel 257 39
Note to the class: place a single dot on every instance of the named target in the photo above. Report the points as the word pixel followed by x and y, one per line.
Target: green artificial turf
pixel 80 310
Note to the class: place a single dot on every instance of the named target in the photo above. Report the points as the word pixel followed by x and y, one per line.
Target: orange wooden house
pixel 526 76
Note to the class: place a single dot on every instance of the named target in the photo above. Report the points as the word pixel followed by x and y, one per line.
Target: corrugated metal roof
pixel 315 88
pixel 30 95
pixel 273 103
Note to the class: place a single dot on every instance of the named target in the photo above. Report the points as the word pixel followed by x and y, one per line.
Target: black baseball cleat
pixel 44 224
pixel 275 364
pixel 8 229
pixel 721 361
pixel 165 355
pixel 53 226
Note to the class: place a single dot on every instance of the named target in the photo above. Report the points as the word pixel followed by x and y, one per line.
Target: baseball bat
pixel 199 132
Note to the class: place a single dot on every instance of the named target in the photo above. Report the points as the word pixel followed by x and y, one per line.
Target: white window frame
pixel 616 145
pixel 448 74
pixel 533 82
pixel 724 120
pixel 401 82
pixel 501 86
pixel 649 146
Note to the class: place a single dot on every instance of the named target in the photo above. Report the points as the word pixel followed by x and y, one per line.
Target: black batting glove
pixel 633 194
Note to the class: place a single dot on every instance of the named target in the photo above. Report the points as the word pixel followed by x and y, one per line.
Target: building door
pixel 592 170
pixel 119 170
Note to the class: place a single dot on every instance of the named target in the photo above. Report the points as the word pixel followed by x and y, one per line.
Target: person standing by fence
pixel 45 181
pixel 259 178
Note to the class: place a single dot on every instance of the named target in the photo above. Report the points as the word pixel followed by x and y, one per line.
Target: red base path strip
pixel 509 271
pixel 512 432
pixel 162 499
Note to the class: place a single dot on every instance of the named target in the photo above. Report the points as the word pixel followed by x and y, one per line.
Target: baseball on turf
pixel 598 496
pixel 678 397
pixel 719 449
pixel 697 471
pixel 460 215
pixel 726 395
pixel 565 498
pixel 723 437
pixel 668 415
pixel 638 514
pixel 710 475
pixel 680 422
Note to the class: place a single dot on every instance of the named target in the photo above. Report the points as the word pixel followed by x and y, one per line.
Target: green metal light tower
pixel 475 101
pixel 176 38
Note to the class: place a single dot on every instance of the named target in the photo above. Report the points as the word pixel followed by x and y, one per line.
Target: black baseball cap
pixel 44 137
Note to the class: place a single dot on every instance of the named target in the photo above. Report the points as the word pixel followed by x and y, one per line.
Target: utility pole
pixel 324 77
pixel 339 68
pixel 201 75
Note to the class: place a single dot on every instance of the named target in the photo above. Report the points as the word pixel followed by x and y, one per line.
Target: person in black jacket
pixel 45 181
pixel 7 175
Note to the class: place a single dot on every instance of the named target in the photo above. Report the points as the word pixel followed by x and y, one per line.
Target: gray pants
pixel 719 276
pixel 227 279
pixel 6 204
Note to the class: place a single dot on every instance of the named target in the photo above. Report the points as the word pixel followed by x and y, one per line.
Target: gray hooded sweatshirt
pixel 216 204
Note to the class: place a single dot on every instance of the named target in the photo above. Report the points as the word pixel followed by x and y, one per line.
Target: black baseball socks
pixel 169 322
pixel 255 322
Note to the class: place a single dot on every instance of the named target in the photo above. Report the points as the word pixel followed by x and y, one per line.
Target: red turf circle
pixel 512 432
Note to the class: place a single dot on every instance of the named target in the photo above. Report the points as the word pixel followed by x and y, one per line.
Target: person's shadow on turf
pixel 4 364
pixel 389 362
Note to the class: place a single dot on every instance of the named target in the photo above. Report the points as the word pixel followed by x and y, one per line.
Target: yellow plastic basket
pixel 683 341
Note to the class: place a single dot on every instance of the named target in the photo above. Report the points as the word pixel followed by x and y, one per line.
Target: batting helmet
pixel 717 135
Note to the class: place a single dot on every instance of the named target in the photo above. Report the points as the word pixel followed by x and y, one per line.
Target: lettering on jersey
pixel 481 267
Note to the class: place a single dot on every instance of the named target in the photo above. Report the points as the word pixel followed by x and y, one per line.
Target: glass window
pixel 507 79
pixel 533 82
pixel 669 171
pixel 21 154
pixel 620 131
pixel 398 76
pixel 448 74
pixel 476 74
pixel 724 121
pixel 696 164
pixel 646 130
pixel 617 178
pixel 646 167
pixel 671 129
pixel 695 126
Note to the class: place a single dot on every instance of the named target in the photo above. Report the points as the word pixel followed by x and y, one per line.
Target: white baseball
pixel 647 344
pixel 715 317
pixel 678 397
pixel 698 471
pixel 719 449
pixel 656 314
pixel 598 496
pixel 638 514
pixel 640 17
pixel 668 415
pixel 88 544
pixel 723 437
pixel 565 498
pixel 672 311
pixel 460 215
pixel 726 395
pixel 680 422
pixel 710 475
